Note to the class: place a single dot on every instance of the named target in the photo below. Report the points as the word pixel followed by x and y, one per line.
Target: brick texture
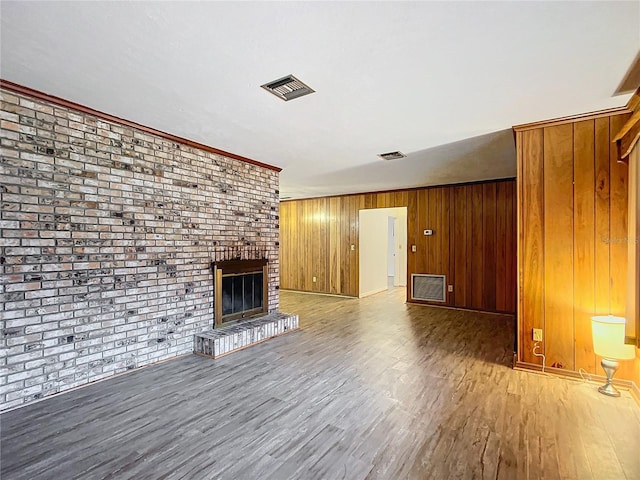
pixel 107 234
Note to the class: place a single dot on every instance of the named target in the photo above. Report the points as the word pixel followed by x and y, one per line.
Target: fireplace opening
pixel 240 290
pixel 241 294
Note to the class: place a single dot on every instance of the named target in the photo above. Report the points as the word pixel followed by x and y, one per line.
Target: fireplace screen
pixel 242 294
pixel 240 289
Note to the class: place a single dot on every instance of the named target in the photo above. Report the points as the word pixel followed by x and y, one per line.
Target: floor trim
pixel 594 378
pixel 461 309
pixel 304 292
pixel 635 392
pixel 373 292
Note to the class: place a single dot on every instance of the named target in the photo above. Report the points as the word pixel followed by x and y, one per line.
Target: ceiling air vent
pixel 287 88
pixel 391 155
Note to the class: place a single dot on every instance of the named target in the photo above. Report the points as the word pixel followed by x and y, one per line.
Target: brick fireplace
pixel 108 233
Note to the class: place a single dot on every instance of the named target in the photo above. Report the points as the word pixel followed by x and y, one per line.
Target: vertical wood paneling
pixel 501 245
pixel 469 245
pixel 451 245
pixel 580 231
pixel 532 241
pixel 400 199
pixel 444 245
pixel 334 246
pixel 284 239
pixel 422 213
pixel 511 249
pixel 324 252
pixel 308 249
pixel 344 246
pixel 442 237
pixel 369 200
pixel 619 233
pixel 477 243
pixel 460 243
pixel 434 223
pixel 314 247
pixel 431 241
pixel 633 281
pixel 618 224
pixel 633 275
pixel 489 235
pixel 412 236
pixel 602 264
pixel 558 241
pixel 354 202
pixel 317 241
pixel 584 242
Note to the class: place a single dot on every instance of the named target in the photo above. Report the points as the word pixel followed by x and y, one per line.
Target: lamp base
pixel 609 389
pixel 609 366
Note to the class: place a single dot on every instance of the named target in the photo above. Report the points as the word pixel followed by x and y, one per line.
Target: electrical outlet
pixel 413 248
pixel 353 247
pixel 315 279
pixel 537 334
pixel 450 288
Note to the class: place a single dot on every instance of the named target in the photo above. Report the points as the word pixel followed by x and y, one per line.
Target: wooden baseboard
pixel 305 292
pixel 629 385
pixel 373 292
pixel 635 392
pixel 462 309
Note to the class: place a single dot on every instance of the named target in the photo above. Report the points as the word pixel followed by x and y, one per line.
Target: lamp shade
pixel 608 338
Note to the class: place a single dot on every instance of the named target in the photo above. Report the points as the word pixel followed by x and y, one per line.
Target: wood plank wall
pixel 572 212
pixel 633 276
pixel 474 241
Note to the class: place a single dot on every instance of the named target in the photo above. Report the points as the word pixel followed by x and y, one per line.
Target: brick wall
pixel 107 233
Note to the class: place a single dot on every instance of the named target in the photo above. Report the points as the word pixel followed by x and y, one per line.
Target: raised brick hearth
pixel 222 341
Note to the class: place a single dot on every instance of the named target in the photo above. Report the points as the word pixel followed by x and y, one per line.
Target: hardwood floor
pixel 367 389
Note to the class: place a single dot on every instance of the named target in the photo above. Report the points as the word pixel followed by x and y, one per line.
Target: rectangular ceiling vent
pixel 430 288
pixel 287 88
pixel 391 155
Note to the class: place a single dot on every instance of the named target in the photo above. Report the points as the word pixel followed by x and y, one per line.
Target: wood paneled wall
pixel 633 248
pixel 474 241
pixel 572 237
pixel 316 237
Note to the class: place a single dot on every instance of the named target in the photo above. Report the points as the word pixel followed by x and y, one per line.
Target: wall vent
pixel 391 155
pixel 287 88
pixel 430 288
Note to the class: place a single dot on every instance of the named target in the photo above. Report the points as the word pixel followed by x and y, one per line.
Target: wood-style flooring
pixel 367 389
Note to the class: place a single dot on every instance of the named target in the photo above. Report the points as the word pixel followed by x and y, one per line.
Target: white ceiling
pixel 442 82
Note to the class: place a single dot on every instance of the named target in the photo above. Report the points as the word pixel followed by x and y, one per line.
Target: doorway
pixel 383 249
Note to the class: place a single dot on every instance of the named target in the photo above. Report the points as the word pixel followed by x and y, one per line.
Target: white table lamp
pixel 608 342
